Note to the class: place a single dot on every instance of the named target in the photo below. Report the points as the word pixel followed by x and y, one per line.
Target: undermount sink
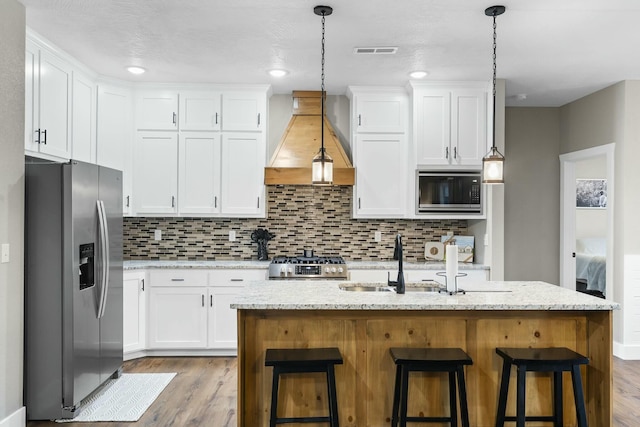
pixel 364 288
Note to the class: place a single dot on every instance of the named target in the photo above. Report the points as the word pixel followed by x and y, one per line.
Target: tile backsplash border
pixel 300 217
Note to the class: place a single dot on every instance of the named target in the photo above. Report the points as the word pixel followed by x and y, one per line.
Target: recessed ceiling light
pixel 278 73
pixel 136 70
pixel 418 74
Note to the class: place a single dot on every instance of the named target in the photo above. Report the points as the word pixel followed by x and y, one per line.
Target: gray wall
pixel 12 48
pixel 532 194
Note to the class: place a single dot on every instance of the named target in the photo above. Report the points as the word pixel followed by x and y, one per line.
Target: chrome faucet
pixel 397 255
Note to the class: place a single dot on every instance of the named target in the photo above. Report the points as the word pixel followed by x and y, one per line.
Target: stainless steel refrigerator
pixel 73 284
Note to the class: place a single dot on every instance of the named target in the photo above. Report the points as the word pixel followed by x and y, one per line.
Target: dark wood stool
pixel 304 360
pixel 451 360
pixel 556 360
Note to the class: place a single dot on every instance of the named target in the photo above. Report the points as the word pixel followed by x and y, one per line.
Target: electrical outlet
pixel 5 253
pixel 157 235
pixel 232 235
pixel 378 236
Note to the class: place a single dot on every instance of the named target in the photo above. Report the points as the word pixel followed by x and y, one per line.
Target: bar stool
pixel 556 360
pixel 451 360
pixel 304 360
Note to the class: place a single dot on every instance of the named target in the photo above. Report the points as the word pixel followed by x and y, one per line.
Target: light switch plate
pixel 4 257
pixel 157 235
pixel 378 236
pixel 232 235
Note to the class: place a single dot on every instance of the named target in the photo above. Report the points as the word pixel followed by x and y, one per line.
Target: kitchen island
pixel 364 325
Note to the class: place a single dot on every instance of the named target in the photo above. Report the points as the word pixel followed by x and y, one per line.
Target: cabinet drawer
pixel 235 277
pixel 178 278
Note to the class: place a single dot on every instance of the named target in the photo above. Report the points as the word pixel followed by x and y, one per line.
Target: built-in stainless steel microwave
pixel 448 192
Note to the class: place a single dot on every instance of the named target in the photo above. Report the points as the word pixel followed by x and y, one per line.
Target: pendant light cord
pixel 322 95
pixel 495 36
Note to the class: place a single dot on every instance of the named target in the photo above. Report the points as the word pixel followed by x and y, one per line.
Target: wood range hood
pixel 291 162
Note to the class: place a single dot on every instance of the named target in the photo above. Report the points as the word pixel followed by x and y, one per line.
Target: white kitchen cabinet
pixel 155 185
pixel 226 285
pixel 83 142
pixel 199 173
pixel 243 159
pixel 177 317
pixel 450 125
pixel 380 113
pixel 134 313
pixel 381 176
pixel 48 82
pixel 115 136
pixel 244 111
pixel 156 110
pixel 199 111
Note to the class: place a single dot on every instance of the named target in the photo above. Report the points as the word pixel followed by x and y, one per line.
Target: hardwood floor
pixel 204 393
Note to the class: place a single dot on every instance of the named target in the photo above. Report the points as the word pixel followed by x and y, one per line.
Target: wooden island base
pixel 365 381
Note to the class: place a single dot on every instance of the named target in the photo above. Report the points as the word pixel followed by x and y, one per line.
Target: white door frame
pixel 568 216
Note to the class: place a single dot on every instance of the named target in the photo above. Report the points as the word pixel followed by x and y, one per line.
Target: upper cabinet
pixel 450 124
pixel 380 151
pixel 199 110
pixel 244 111
pixel 48 82
pixel 83 141
pixel 156 110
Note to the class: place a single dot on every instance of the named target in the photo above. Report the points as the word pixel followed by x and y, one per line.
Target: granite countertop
pixel 326 295
pixel 251 264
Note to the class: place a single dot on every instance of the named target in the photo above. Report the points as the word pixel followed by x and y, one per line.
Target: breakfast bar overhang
pixel 364 325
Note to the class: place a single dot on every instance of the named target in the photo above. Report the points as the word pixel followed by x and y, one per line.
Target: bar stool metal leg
pixel 521 395
pixel 274 396
pixel 504 389
pixel 333 401
pixel 396 397
pixel 404 397
pixel 578 396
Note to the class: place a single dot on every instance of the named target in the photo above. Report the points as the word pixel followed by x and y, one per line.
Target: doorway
pixel 586 219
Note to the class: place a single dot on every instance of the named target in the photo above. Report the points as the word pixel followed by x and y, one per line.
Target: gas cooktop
pixel 308 267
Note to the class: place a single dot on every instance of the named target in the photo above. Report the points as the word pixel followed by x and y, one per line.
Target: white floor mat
pixel 123 399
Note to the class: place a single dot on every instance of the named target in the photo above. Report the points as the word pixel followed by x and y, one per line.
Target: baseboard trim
pixel 17 419
pixel 626 352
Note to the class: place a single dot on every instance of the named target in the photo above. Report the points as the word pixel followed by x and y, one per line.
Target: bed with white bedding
pixel 591 264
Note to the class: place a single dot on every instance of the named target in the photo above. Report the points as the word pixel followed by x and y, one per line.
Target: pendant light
pixel 322 165
pixel 493 161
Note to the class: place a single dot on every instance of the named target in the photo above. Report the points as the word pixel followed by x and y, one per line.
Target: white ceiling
pixel 554 51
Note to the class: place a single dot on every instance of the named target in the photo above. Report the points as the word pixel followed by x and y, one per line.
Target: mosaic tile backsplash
pixel 300 217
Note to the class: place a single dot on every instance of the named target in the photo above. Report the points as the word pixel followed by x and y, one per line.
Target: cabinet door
pixel 83 133
pixel 134 313
pixel 156 173
pixel 243 111
pixel 381 113
pixel 199 110
pixel 54 102
pixel 31 90
pixel 432 123
pixel 243 161
pixel 177 317
pixel 223 330
pixel 199 173
pixel 157 110
pixel 115 136
pixel 469 127
pixel 381 188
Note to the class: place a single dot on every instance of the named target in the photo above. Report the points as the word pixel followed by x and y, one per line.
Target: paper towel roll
pixel 452 267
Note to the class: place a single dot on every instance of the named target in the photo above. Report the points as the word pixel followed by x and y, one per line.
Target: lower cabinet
pixel 134 313
pixel 190 309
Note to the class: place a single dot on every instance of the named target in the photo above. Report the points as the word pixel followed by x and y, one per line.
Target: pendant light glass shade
pixel 493 167
pixel 322 169
pixel 493 161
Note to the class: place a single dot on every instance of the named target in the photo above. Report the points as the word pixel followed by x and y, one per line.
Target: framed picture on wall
pixel 591 193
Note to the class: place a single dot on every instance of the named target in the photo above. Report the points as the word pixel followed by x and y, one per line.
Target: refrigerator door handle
pixel 104 250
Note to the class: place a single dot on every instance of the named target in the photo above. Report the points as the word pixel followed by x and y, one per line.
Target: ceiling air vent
pixel 375 50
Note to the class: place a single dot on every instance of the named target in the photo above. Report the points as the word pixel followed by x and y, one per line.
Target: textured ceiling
pixel 554 51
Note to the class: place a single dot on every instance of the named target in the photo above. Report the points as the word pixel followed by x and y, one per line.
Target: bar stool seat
pixel 304 360
pixel 451 360
pixel 554 359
